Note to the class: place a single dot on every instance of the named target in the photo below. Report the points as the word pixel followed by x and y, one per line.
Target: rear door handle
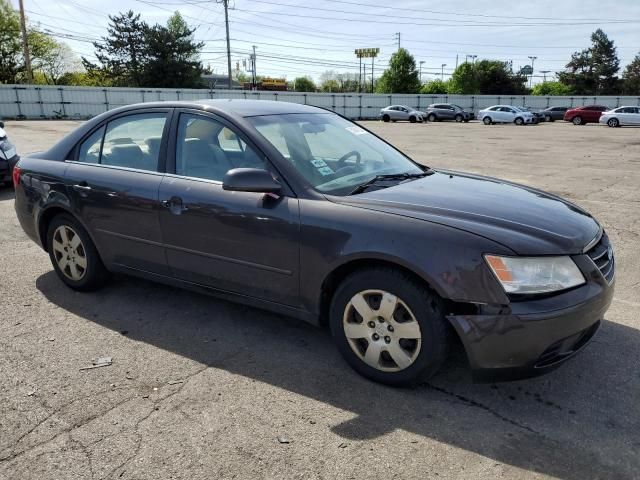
pixel 175 206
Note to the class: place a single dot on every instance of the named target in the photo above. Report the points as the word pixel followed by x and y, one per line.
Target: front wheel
pixel 613 122
pixel 412 119
pixel 459 118
pixel 73 254
pixel 386 118
pixel 519 121
pixel 432 117
pixel 487 120
pixel 547 118
pixel 577 120
pixel 389 327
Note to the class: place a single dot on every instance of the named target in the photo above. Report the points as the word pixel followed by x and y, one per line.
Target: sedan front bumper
pixel 529 338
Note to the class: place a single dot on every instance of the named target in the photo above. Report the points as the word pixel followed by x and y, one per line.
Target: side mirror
pixel 250 180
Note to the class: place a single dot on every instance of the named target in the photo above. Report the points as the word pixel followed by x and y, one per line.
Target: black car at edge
pixel 300 211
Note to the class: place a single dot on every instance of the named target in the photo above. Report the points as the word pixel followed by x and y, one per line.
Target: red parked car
pixel 585 114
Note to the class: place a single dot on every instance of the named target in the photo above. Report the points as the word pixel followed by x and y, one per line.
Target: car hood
pixel 526 220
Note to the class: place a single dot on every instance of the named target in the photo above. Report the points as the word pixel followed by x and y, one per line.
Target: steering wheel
pixel 352 153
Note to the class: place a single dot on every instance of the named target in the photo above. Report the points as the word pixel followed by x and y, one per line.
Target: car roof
pixel 235 107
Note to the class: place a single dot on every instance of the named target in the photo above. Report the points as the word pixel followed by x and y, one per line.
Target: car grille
pixel 602 255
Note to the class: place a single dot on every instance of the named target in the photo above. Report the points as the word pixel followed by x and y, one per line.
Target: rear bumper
pixel 521 343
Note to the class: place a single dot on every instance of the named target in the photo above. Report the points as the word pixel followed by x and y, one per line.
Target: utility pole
pixel 359 73
pixel 372 59
pixel 398 37
pixel 421 62
pixel 226 23
pixel 456 61
pixel 25 45
pixel 442 74
pixel 533 59
pixel 255 75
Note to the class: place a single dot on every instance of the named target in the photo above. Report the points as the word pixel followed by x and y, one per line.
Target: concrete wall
pixel 32 102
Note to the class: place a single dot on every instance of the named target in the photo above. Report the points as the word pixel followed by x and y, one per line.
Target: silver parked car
pixel 437 112
pixel 621 116
pixel 506 114
pixel 394 113
pixel 8 157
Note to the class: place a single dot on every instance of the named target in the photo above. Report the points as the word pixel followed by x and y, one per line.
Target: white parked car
pixel 401 112
pixel 506 114
pixel 621 116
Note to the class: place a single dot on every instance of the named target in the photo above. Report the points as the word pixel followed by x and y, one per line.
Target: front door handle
pixel 175 206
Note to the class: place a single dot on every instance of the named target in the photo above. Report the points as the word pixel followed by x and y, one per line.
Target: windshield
pixel 457 107
pixel 333 154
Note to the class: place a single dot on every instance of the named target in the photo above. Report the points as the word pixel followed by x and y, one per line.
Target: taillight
pixel 16 175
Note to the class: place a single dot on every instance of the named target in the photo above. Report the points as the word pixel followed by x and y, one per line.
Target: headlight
pixel 535 274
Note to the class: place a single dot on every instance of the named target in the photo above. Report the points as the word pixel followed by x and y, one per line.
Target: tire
pixel 547 118
pixel 466 120
pixel 487 120
pixel 85 271
pixel 432 117
pixel 394 121
pixel 577 120
pixel 613 122
pixel 459 118
pixel 519 121
pixel 412 119
pixel 386 118
pixel 418 358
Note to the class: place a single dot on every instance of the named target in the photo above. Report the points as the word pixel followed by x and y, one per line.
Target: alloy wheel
pixel 382 331
pixel 613 122
pixel 69 253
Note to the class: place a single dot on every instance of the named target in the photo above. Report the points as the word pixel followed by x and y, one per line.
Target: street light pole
pixel 473 57
pixel 442 73
pixel 533 59
pixel 544 73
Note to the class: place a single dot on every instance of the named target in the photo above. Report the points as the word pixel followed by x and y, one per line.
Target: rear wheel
pixel 432 117
pixel 613 122
pixel 389 327
pixel 487 120
pixel 386 118
pixel 577 120
pixel 73 254
pixel 459 118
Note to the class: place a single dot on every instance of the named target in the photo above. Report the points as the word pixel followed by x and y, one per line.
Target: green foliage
pixel 592 71
pixel 134 54
pixel 330 86
pixel 171 55
pixel 401 76
pixel 435 87
pixel 551 88
pixel 487 77
pixel 631 77
pixel 304 84
pixel 10 45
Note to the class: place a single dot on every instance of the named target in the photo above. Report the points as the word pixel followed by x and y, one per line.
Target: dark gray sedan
pixel 552 114
pixel 300 211
pixel 437 112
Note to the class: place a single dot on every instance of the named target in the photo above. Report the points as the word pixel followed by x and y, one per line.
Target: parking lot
pixel 200 388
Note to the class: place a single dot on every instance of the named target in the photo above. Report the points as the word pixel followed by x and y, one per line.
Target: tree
pixel 496 78
pixel 631 77
pixel 593 71
pixel 304 84
pixel 171 55
pixel 551 88
pixel 464 80
pixel 121 54
pixel 435 87
pixel 401 76
pixel 10 46
pixel 55 62
pixel 330 86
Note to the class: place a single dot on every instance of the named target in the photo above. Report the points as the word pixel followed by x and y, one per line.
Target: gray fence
pixel 34 102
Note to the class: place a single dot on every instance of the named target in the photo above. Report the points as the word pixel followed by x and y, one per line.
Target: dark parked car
pixel 8 157
pixel 586 114
pixel 447 111
pixel 552 114
pixel 300 211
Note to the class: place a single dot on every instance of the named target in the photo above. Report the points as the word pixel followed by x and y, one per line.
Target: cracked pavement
pixel 200 388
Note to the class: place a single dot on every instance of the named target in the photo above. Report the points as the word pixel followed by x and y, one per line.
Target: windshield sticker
pixel 319 163
pixel 325 171
pixel 356 130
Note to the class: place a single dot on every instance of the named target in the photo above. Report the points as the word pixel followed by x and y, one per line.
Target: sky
pixel 295 38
